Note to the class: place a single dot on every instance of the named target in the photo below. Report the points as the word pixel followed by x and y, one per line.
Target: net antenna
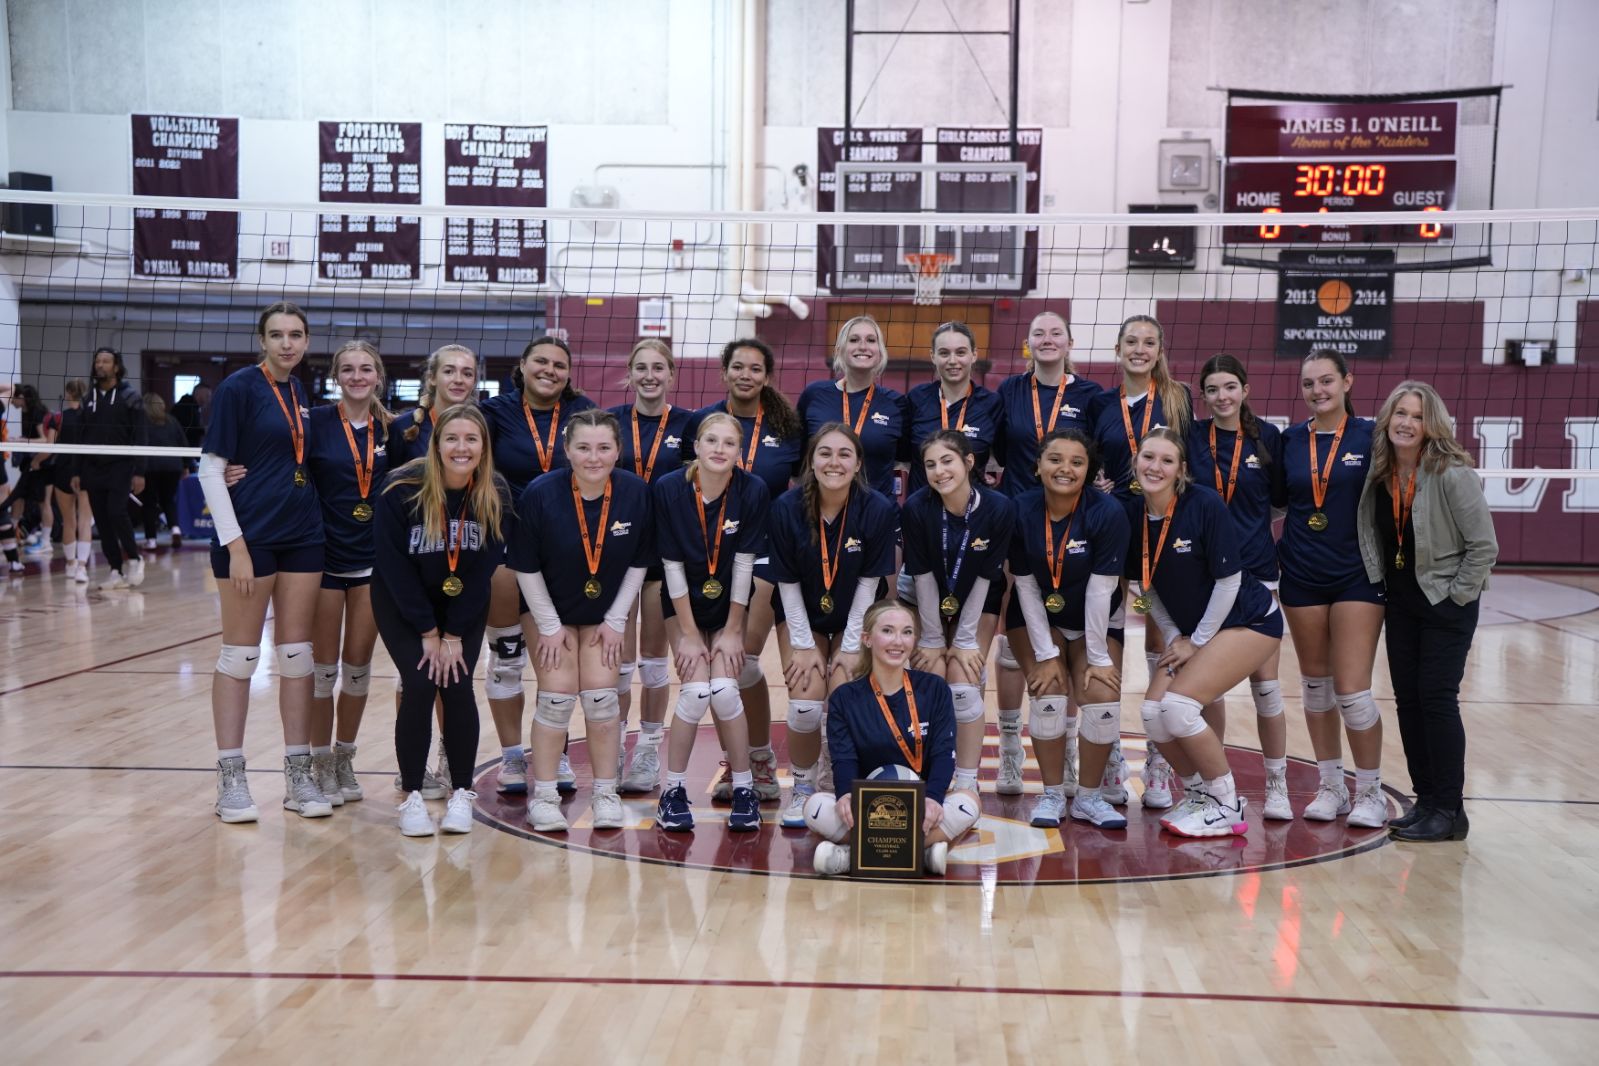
pixel 927 268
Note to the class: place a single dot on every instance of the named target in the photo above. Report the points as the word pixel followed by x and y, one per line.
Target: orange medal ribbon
pixel 296 427
pixel 1319 479
pixel 1038 419
pixel 713 552
pixel 1232 474
pixel 1127 418
pixel 912 751
pixel 363 473
pixel 452 539
pixel 1401 511
pixel 592 555
pixel 645 469
pixel 966 403
pixel 1056 557
pixel 546 451
pixel 1148 564
pixel 866 406
pixel 748 462
pixel 830 564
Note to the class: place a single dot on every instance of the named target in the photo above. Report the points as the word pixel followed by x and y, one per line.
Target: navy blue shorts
pixel 1269 626
pixel 1292 593
pixel 335 583
pixel 300 559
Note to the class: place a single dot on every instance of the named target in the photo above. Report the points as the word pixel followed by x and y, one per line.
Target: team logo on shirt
pixel 979 545
pixel 853 544
pixel 621 529
pixel 730 526
pixel 879 418
pixel 1071 412
pixel 1252 461
pixel 1076 547
pixel 1181 546
pixel 973 432
pixel 1159 425
pixel 672 442
pixel 770 441
pixel 1354 459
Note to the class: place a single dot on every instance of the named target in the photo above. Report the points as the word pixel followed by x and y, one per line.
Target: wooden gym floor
pixel 137 928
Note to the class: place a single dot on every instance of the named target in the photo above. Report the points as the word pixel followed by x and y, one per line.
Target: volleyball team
pixel 651 538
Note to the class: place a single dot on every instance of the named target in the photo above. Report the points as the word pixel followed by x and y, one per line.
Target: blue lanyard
pixel 960 553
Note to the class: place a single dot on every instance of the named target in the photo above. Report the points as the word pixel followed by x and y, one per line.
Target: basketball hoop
pixel 928 270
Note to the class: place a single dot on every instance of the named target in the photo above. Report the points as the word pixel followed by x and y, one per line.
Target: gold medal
pixel 362 512
pixel 453 586
pixel 1054 603
pixel 1142 603
pixel 1135 488
pixel 299 477
pixel 827 603
pixel 949 606
pixel 712 588
pixel 592 589
pixel 1399 559
pixel 1317 521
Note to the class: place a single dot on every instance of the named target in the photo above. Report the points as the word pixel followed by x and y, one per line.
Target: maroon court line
pixel 815 986
pixel 113 662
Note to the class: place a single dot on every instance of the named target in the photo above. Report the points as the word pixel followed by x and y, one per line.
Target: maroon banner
pixel 370 163
pixel 1423 127
pixel 495 166
pixel 185 155
pixel 977 192
pixel 868 250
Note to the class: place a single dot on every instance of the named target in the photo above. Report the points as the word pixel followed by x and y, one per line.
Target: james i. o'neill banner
pixel 194 156
pixel 495 166
pixel 370 163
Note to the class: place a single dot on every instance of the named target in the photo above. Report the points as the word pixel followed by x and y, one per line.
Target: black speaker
pixel 33 220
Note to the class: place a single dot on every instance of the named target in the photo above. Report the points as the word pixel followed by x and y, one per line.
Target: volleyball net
pixel 1497 309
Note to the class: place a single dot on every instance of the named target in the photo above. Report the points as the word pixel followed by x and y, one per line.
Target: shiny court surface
pixel 137 928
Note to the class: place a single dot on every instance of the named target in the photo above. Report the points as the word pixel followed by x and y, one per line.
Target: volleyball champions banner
pixel 370 163
pixel 495 166
pixel 185 155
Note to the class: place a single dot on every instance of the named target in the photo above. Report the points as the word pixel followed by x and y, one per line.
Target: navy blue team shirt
pixel 516 457
pixel 349 540
pixel 1329 559
pixel 1017 447
pixel 742 510
pixel 1095 544
pixel 402 451
pixel 881 431
pixel 1200 549
pixel 860 741
pixel 1251 502
pixel 676 445
pixel 983 411
pixel 248 428
pixel 548 540
pixel 863 548
pixel 1110 432
pixel 777 459
pixel 921 528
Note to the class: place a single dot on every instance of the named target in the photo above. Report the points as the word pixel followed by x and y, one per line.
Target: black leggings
pixel 1427 649
pixel 160 496
pixel 413 726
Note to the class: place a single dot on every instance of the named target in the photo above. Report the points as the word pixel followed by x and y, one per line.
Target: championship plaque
pixel 887 838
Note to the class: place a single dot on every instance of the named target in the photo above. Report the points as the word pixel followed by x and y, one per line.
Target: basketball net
pixel 928 270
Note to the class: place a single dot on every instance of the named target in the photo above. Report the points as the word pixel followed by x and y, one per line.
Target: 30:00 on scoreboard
pixel 1333 186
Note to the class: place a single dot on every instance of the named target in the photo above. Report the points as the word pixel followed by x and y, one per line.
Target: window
pixel 184 385
pixel 406 390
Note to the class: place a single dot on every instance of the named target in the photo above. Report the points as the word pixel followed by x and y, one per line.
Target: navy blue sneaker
pixel 746 814
pixel 674 814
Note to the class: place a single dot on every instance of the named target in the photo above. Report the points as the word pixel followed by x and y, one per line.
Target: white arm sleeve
pixel 1096 617
pixel 927 611
pixel 537 595
pixel 966 629
pixel 214 485
pixel 676 579
pixel 794 616
pixel 743 577
pixel 1222 598
pixel 622 607
pixel 865 589
pixel 1037 619
pixel 1157 611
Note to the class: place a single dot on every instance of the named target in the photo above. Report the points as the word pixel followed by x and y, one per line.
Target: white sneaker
pixel 1069 782
pixel 113 580
pixel 133 571
pixel 415 821
pixel 148 546
pixel 1370 808
pixel 1091 807
pixel 513 773
pixel 1158 781
pixel 763 768
pixel 458 815
pixel 81 574
pixel 1049 810
pixel 1113 783
pixel 1331 800
pixel 326 773
pixel 607 811
pixel 1011 760
pixel 565 779
pixel 234 803
pixel 643 768
pixel 1277 807
pixel 544 812
pixel 300 792
pixel 936 858
pixel 344 774
pixel 1209 819
pixel 831 859
pixel 794 813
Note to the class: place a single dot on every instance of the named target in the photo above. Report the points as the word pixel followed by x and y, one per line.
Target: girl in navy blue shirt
pixel 773 442
pixel 832 540
pixel 893 719
pixel 267 552
pixel 655 442
pixel 1334 610
pixel 1046 398
pixel 857 399
pixel 1220 625
pixel 526 427
pixel 1066 620
pixel 953 401
pixel 583 542
pixel 449 378
pixel 1236 453
pixel 438 539
pixel 956 537
pixel 710 528
pixel 348 457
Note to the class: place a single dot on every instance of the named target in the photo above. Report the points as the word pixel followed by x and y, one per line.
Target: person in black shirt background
pixel 113 415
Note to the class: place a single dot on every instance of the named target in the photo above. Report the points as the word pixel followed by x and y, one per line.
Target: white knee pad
pixel 960 814
pixel 821 817
pixel 554 709
pixel 1359 710
pixel 804 716
pixel 357 679
pixel 238 660
pixel 1101 722
pixel 624 676
pixel 507 656
pixel 968 703
pixel 1268 698
pixel 324 678
pixel 600 705
pixel 726 703
pixel 693 700
pixel 1184 717
pixel 750 674
pixel 652 672
pixel 1154 722
pixel 1046 718
pixel 294 660
pixel 1004 657
pixel 1317 693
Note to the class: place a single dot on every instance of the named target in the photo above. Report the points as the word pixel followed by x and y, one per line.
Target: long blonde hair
pixel 1439 448
pixel 379 412
pixel 1173 397
pixel 427 473
pixel 430 373
pixel 863 665
pixel 841 341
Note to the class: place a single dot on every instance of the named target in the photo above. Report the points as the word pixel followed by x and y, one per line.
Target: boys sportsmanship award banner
pixel 185 155
pixel 370 163
pixel 495 166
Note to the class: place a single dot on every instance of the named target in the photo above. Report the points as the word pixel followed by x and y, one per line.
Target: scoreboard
pixel 1335 157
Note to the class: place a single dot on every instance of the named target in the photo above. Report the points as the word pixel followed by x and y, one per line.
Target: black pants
pixel 160 496
pixel 1427 648
pixel 108 489
pixel 413 725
